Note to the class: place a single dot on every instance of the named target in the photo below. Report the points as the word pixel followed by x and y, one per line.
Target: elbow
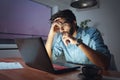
pixel 105 64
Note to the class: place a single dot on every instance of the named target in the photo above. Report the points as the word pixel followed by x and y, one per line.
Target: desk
pixel 28 73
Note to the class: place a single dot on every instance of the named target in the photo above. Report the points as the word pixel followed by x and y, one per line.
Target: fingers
pixel 54 28
pixel 67 38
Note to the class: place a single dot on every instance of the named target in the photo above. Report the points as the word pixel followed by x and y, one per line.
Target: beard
pixel 74 28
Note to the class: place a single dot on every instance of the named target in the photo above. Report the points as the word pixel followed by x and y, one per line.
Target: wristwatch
pixel 79 41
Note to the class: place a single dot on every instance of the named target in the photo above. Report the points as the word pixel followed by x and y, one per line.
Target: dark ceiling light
pixel 80 4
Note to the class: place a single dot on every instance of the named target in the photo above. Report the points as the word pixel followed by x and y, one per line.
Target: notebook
pixel 35 55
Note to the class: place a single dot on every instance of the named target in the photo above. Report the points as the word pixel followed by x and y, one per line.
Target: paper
pixel 10 65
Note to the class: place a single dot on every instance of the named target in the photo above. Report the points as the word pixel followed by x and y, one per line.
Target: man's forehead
pixel 59 19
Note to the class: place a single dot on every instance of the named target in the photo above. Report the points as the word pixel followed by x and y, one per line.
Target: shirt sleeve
pixel 56 47
pixel 97 43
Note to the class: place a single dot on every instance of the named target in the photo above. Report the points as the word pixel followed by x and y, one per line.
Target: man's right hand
pixel 55 28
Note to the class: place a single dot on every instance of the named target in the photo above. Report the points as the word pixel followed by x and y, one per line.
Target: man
pixel 79 45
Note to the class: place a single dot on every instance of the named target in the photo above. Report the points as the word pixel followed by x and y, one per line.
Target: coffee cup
pixel 91 70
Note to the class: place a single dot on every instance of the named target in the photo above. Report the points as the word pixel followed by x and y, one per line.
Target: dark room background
pixel 23 18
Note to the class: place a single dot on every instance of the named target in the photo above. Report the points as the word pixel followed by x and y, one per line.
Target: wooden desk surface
pixel 28 73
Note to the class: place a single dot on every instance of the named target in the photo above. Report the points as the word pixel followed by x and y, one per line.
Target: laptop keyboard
pixel 58 67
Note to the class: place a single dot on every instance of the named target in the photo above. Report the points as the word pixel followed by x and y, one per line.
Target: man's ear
pixel 73 28
pixel 74 22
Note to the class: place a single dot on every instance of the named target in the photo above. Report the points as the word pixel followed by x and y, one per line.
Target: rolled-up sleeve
pixel 97 43
pixel 56 47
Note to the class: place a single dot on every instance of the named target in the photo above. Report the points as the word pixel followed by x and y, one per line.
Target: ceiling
pixel 61 3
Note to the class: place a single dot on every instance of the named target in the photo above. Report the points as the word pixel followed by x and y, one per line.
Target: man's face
pixel 64 25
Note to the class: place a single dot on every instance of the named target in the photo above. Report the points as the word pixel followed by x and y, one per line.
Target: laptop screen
pixel 33 52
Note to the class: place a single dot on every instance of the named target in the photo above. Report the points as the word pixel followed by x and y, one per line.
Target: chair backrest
pixel 112 63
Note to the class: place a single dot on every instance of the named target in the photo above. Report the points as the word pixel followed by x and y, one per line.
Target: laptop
pixel 35 55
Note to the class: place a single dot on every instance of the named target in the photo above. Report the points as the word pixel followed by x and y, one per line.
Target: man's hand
pixel 67 38
pixel 54 28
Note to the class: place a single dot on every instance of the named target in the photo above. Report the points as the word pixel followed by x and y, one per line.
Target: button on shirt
pixel 90 36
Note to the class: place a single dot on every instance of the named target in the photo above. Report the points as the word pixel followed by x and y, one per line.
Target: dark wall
pixel 23 18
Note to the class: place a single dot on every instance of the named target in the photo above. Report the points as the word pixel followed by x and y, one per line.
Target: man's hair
pixel 67 14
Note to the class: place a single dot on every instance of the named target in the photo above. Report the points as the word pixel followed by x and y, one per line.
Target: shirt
pixel 90 36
